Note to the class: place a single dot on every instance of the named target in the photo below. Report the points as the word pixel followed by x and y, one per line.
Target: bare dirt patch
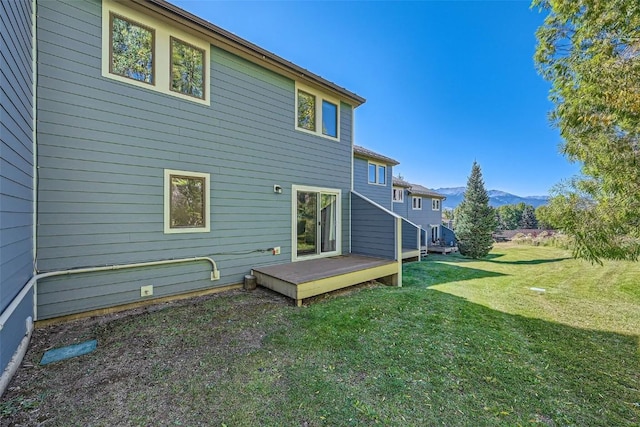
pixel 164 364
pixel 142 355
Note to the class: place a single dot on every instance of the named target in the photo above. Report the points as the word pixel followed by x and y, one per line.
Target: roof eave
pixel 237 45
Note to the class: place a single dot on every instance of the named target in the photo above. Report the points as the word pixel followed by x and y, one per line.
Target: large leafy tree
pixel 509 216
pixel 590 52
pixel 475 219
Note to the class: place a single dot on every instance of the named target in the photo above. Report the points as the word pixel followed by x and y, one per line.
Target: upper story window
pixel 377 174
pixel 131 48
pixel 187 69
pixel 435 204
pixel 416 203
pixel 317 113
pixel 398 195
pixel 186 202
pixel 143 51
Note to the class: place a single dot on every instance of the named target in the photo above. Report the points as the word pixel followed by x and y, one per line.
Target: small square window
pixel 316 112
pixel 377 174
pixel 306 111
pixel 131 49
pixel 329 119
pixel 435 204
pixel 186 202
pixel 187 69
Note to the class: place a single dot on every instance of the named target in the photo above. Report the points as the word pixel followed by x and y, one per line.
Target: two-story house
pixel 147 153
pixel 421 206
pixel 373 180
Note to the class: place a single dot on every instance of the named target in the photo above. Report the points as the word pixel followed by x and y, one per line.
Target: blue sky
pixel 446 82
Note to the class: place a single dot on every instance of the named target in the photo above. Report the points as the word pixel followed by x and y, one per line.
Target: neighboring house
pixel 373 180
pixel 174 171
pixel 373 175
pixel 421 206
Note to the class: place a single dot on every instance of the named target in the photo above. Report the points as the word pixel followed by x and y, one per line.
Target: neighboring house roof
pixel 400 182
pixel 419 190
pixel 368 154
pixel 234 44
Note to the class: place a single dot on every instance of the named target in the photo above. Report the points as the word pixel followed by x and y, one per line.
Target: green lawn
pixel 463 343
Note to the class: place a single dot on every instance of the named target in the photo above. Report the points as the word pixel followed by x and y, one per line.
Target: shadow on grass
pixel 531 261
pixel 492 258
pixel 456 257
pixel 503 369
pixel 432 273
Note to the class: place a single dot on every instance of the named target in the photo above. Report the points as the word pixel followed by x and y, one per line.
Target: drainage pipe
pixel 32 283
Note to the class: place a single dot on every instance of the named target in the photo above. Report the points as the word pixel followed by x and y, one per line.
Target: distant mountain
pixel 496 198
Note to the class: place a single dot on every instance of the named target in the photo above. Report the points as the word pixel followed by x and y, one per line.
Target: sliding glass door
pixel 317 222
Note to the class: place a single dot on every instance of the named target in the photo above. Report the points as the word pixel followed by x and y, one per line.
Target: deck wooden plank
pixel 410 253
pixel 321 268
pixel 304 279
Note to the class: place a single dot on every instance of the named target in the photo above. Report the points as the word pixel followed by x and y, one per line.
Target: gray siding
pixel 424 217
pixel 373 231
pixel 409 235
pixel 381 194
pixel 448 236
pixel 401 208
pixel 16 168
pixel 103 147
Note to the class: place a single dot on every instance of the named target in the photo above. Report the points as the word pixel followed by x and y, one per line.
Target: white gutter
pixel 32 283
pixel 353 138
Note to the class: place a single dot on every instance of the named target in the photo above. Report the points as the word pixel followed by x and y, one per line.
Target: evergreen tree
pixel 475 219
pixel 528 217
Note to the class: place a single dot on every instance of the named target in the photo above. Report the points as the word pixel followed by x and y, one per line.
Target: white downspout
pixel 353 131
pixel 34 137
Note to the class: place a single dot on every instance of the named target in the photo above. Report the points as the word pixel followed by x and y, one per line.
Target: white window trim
pixel 167 201
pixel 162 52
pixel 319 98
pixel 435 204
pixel 413 203
pixel 400 191
pixel 294 225
pixel 377 165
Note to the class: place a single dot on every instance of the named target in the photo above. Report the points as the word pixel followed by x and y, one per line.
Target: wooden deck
pixel 443 249
pixel 304 279
pixel 409 253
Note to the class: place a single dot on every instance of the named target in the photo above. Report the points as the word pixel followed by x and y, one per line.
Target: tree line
pixel 514 216
pixel 521 215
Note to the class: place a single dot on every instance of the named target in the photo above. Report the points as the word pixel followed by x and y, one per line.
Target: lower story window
pixel 186 202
